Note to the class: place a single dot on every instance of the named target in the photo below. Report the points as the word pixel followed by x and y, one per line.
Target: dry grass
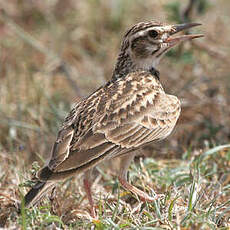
pixel 54 52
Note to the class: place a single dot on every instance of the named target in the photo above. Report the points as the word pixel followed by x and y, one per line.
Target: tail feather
pixel 37 192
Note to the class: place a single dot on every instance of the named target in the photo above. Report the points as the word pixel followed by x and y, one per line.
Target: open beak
pixel 172 41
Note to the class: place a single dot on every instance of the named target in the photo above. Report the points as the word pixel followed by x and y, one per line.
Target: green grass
pixel 196 196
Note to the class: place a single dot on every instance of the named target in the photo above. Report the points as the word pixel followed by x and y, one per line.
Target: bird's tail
pixel 37 192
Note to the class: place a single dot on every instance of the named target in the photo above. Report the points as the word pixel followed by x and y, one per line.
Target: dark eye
pixel 153 33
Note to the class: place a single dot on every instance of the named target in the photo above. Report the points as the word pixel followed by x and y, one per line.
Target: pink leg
pixel 125 162
pixel 87 186
pixel 142 195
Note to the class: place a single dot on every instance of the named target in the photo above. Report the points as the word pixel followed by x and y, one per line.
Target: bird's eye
pixel 153 33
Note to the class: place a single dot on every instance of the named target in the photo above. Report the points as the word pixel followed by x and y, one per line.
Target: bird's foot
pixel 142 195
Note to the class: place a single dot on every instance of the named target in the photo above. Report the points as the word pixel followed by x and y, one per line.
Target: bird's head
pixel 145 43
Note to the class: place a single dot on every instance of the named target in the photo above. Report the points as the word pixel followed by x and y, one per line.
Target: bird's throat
pixel 125 65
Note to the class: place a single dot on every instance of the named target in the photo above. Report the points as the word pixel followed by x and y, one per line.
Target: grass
pixel 196 195
pixel 52 54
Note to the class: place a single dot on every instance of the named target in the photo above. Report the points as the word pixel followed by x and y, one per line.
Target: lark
pixel 128 112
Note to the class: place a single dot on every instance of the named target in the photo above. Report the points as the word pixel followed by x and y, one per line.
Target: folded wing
pixel 117 118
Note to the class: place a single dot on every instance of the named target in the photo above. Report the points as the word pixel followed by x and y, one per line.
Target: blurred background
pixel 54 52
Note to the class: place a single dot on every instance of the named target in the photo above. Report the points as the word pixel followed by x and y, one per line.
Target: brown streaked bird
pixel 125 114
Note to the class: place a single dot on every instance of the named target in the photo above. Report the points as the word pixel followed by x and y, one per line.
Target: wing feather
pixel 121 116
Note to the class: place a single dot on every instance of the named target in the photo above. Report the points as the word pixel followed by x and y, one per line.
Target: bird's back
pixel 124 114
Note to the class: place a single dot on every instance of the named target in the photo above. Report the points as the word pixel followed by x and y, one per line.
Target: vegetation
pixel 52 53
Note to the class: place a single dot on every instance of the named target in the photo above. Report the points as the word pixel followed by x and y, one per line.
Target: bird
pixel 128 112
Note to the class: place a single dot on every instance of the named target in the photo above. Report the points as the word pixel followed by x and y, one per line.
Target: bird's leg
pixel 125 162
pixel 87 186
